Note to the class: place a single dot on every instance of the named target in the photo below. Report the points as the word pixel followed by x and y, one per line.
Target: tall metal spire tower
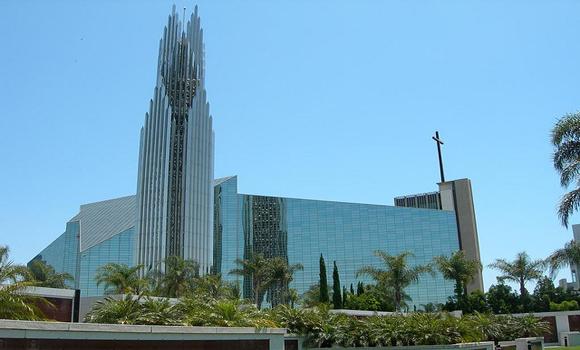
pixel 174 185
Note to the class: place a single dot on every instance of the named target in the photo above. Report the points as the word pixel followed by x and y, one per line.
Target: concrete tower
pixel 174 185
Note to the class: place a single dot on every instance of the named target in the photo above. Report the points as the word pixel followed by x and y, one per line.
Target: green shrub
pixel 324 329
pixel 564 306
pixel 366 301
pixel 321 327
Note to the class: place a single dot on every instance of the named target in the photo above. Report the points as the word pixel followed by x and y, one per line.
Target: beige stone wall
pixel 457 196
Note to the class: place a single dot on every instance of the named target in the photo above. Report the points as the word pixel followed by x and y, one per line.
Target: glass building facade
pixel 62 253
pixel 299 230
pixel 117 249
pixel 101 233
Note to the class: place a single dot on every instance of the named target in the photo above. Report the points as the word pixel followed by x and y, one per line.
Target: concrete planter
pixel 29 335
pixel 569 338
pixel 533 343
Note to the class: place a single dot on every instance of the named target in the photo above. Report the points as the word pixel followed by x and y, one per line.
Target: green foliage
pixel 566 142
pixel 10 272
pixel 521 270
pixel 293 297
pixel 501 299
pixel 135 309
pixel 268 275
pixel 120 278
pixel 505 327
pixel 567 256
pixel 43 275
pixel 155 311
pixel 365 301
pixel 544 293
pixel 224 313
pixel 318 325
pixel 370 298
pixel 281 274
pixel 213 287
pixel 257 268
pixel 564 306
pixel 360 288
pixel 13 304
pixel 311 297
pixel 432 307
pixel 395 276
pixel 139 309
pixel 474 302
pixel 459 269
pixel 178 278
pixel 323 283
pixel 325 329
pixel 336 292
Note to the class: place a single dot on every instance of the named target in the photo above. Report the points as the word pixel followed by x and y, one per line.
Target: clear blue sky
pixel 326 100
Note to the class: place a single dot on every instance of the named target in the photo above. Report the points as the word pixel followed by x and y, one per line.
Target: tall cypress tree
pixel 323 282
pixel 336 292
pixel 351 289
pixel 344 296
pixel 360 288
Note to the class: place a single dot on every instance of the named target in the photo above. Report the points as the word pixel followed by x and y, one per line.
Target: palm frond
pixel 567 127
pixel 560 258
pixel 569 203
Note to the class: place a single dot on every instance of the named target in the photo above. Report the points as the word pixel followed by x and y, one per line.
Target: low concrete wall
pixel 24 334
pixel 560 322
pixel 570 338
pixel 532 343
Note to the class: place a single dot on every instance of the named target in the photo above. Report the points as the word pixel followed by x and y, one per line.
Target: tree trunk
pixel 523 294
pixel 257 294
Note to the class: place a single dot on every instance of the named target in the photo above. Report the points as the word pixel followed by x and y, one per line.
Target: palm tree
pixel 16 306
pixel 44 275
pixel 120 278
pixel 213 287
pixel 110 310
pixel 281 276
pixel 566 141
pixel 396 274
pixel 223 313
pixel 258 269
pixel 521 271
pixel 160 311
pixel 293 297
pixel 235 313
pixel 459 269
pixel 567 256
pixel 179 276
pixel 13 304
pixel 311 297
pixel 9 272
